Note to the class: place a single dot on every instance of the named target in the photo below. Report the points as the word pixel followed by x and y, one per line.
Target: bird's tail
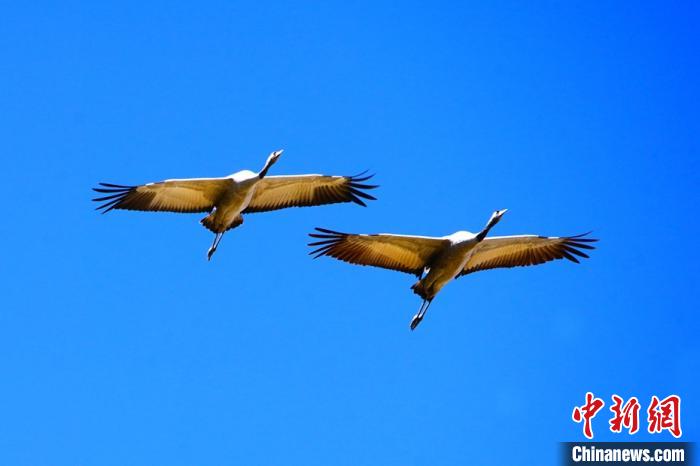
pixel 210 223
pixel 420 289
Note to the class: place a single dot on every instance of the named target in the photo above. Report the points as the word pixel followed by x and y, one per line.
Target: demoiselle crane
pixel 438 260
pixel 228 198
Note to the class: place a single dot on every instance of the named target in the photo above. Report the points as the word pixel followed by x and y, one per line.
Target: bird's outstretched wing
pixel 520 251
pixel 279 192
pixel 187 195
pixel 410 254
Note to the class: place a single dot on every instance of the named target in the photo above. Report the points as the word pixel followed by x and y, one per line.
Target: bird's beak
pixel 503 211
pixel 279 152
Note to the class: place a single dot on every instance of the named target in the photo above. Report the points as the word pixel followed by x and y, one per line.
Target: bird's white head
pixel 274 156
pixel 496 217
pixel 271 159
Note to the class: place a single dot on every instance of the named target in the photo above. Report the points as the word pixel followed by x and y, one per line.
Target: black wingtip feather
pixel 582 246
pixel 364 186
pixel 572 246
pixel 328 232
pixel 329 238
pixel 116 193
pixel 361 194
pixel 118 186
pixel 356 187
pixel 106 198
pixel 357 200
pixel 360 175
pixel 573 250
pixel 582 238
pixel 570 257
pixel 321 243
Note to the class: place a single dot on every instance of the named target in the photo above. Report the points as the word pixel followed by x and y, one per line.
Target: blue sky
pixel 120 344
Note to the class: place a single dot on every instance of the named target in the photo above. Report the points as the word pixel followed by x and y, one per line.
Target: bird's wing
pixel 279 192
pixel 187 195
pixel 519 251
pixel 410 254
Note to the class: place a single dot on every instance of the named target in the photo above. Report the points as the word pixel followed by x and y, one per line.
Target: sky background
pixel 120 344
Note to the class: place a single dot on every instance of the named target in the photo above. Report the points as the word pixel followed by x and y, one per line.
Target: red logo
pixel 587 412
pixel 626 415
pixel 661 414
pixel 665 415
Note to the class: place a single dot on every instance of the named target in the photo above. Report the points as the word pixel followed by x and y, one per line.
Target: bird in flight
pixel 227 199
pixel 438 260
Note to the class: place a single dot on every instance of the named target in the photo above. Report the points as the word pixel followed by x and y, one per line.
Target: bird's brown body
pixel 226 214
pixel 445 267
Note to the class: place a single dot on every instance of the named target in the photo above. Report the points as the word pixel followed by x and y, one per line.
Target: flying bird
pixel 227 199
pixel 438 260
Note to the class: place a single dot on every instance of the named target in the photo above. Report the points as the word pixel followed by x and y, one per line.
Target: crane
pixel 438 260
pixel 226 199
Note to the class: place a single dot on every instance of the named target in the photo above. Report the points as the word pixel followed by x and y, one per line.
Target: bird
pixel 226 199
pixel 435 261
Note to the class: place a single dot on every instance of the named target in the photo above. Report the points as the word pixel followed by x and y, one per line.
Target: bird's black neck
pixel 482 234
pixel 263 172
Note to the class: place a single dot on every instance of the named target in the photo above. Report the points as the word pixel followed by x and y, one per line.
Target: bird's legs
pixel 421 313
pixel 214 245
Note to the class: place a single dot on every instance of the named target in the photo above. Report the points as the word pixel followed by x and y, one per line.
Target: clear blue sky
pixel 120 344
